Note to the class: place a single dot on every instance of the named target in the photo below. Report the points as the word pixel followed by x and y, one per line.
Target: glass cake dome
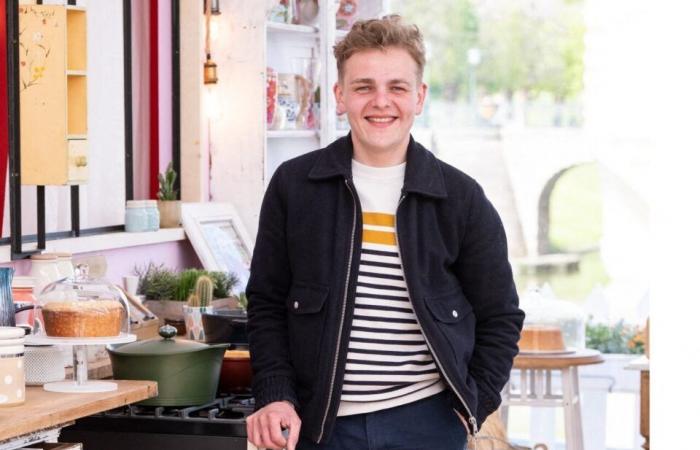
pixel 551 324
pixel 81 307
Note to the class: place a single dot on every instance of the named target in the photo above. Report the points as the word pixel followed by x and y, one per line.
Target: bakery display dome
pixel 81 307
pixel 551 325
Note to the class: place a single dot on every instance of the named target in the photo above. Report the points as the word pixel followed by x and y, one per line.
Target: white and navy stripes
pixel 388 361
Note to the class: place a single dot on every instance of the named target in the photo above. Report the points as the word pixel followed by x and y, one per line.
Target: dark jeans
pixel 428 424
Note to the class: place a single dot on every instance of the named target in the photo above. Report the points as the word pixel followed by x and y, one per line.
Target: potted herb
pixel 198 303
pixel 168 204
pixel 166 290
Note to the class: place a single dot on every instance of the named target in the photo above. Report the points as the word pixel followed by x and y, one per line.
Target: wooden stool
pixel 536 388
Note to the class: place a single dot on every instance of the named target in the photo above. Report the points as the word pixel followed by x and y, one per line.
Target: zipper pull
pixel 475 430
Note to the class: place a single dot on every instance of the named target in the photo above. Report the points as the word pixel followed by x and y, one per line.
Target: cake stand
pixel 80 382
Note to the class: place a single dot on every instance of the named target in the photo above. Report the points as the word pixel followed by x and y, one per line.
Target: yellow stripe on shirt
pixel 379 219
pixel 378 237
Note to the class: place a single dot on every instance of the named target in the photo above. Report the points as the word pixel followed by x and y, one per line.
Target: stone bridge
pixel 518 169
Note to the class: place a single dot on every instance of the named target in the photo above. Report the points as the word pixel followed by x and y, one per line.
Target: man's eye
pixel 362 89
pixel 398 89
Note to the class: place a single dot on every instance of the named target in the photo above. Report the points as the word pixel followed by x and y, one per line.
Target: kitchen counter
pixel 44 410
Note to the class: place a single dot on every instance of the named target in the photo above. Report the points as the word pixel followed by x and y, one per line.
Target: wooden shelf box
pixel 53 95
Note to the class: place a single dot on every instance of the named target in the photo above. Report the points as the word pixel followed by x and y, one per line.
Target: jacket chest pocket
pixel 455 321
pixel 306 320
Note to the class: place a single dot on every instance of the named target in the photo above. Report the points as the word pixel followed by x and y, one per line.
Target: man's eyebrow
pixel 362 81
pixel 371 81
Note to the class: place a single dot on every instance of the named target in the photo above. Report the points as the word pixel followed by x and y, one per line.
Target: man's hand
pixel 265 426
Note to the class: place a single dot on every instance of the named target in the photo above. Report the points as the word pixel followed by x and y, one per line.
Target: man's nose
pixel 381 98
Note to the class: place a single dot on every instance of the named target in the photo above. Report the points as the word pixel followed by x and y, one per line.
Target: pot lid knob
pixel 167 331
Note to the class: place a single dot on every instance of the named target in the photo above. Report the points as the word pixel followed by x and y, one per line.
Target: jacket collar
pixel 423 173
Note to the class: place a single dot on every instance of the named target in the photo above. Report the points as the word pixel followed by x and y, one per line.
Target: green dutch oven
pixel 187 372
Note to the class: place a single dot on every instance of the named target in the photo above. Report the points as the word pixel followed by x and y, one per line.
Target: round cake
pixel 89 318
pixel 541 338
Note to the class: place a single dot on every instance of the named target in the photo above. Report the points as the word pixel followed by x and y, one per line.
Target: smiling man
pixel 382 308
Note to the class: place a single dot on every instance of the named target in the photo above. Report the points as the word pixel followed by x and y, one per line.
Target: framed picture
pixel 219 238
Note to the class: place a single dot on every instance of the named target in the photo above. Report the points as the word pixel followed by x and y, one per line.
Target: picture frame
pixel 219 238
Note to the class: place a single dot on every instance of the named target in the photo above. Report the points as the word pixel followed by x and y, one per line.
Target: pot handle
pixel 167 331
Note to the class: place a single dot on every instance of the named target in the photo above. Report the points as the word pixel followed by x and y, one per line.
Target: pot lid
pixel 157 346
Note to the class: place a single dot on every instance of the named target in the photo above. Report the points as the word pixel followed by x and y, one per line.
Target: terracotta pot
pixel 236 372
pixel 169 213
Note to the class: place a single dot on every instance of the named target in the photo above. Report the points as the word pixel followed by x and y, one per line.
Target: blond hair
pixel 380 34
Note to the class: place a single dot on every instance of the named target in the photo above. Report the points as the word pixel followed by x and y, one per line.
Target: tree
pixel 530 47
pixel 450 28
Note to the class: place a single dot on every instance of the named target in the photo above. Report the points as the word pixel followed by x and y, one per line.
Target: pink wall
pixel 176 255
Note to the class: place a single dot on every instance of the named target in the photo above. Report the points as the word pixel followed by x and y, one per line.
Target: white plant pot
pixel 193 321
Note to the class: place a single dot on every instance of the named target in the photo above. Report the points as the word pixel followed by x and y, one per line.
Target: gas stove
pixel 212 426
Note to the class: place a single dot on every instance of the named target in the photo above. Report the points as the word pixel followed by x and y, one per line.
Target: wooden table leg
pixel 644 408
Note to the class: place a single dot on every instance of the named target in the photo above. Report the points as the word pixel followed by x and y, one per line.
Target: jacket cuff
pixel 274 389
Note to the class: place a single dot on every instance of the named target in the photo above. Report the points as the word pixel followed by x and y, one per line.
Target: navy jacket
pixel 304 270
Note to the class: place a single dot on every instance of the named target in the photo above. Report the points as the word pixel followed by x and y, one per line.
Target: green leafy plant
pixel 243 300
pixel 161 283
pixel 617 338
pixel 157 282
pixel 223 283
pixel 185 283
pixel 166 183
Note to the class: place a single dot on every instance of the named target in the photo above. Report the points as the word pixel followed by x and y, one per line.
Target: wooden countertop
pixel 44 409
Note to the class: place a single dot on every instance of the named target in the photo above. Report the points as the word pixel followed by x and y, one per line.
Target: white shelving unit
pixel 286 42
pixel 244 153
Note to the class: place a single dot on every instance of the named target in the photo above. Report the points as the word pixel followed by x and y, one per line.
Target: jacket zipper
pixel 342 315
pixel 472 419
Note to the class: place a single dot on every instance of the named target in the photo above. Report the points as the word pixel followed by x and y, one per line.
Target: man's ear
pixel 339 101
pixel 422 93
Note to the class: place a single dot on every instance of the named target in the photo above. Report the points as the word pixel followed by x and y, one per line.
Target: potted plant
pixel 166 290
pixel 168 204
pixel 198 303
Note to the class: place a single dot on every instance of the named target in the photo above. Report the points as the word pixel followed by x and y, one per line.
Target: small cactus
pixel 203 292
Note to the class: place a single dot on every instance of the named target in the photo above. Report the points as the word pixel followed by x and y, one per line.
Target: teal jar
pixel 152 214
pixel 136 219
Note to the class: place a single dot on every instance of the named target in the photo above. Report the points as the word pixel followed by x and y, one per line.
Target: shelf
pixel 76 137
pixel 106 241
pixel 277 27
pixel 278 134
pixel 76 38
pixel 76 73
pixel 77 105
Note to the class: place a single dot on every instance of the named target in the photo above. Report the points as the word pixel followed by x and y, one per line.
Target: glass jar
pixel 44 270
pixel 152 215
pixel 136 217
pixel 82 307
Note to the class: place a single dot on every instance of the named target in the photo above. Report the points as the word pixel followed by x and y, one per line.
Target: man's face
pixel 381 94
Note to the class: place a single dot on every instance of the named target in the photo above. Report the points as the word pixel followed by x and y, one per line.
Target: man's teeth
pixel 380 119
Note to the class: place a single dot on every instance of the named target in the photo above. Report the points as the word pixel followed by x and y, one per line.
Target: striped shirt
pixel 388 362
